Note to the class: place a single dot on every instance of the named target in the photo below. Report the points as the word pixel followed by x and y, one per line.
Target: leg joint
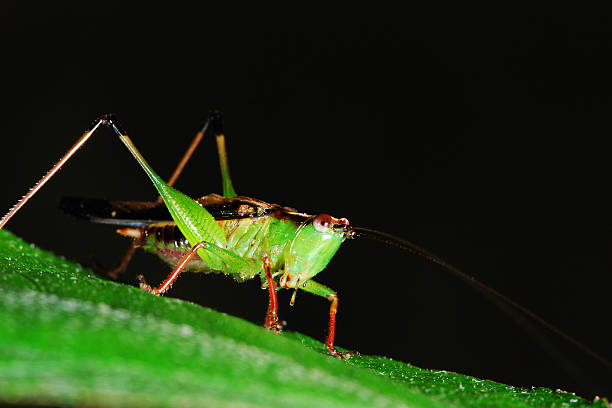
pixel 332 297
pixel 216 120
pixel 110 121
pixel 202 244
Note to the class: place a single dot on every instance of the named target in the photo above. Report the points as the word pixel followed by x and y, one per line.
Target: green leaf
pixel 68 337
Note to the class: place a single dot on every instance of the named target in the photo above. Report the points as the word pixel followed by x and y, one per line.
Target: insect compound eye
pixel 322 223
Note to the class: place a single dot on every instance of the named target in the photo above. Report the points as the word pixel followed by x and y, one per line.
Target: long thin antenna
pixel 80 142
pixel 415 249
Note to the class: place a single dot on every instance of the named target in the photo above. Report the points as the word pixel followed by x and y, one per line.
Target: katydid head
pixel 314 244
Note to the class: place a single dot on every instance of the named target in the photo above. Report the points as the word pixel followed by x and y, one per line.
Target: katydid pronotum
pixel 236 235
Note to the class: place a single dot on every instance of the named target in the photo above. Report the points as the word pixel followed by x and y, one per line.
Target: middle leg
pixel 271 323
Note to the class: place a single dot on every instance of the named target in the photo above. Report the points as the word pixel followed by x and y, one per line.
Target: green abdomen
pixel 248 238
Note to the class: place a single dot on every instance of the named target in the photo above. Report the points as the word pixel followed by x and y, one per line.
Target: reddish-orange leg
pixel 125 260
pixel 271 323
pixel 194 144
pixel 333 309
pixel 161 289
pixel 321 290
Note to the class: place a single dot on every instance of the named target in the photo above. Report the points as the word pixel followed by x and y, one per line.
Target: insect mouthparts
pixel 346 228
pixel 351 234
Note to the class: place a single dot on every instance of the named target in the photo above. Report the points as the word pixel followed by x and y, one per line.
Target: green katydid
pixel 239 236
pixel 284 247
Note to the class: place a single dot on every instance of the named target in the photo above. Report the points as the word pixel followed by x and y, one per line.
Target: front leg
pixel 321 290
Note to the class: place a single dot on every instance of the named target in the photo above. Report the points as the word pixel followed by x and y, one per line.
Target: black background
pixel 481 137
